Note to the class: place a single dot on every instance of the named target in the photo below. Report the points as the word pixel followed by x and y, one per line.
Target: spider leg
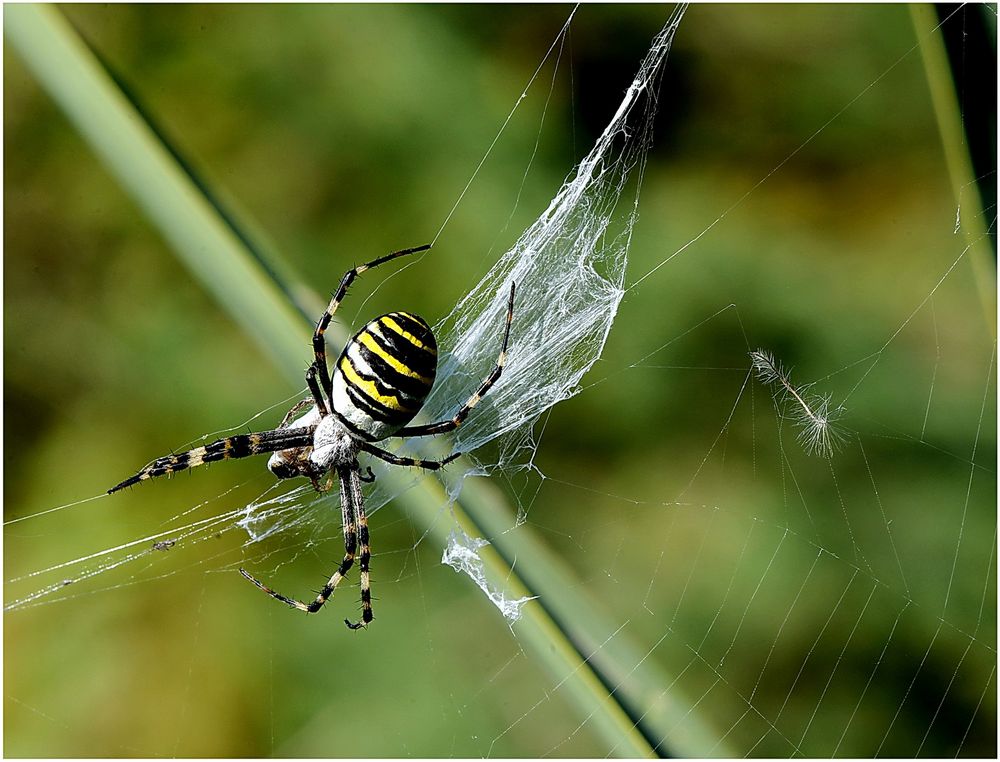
pixel 350 499
pixel 319 486
pixel 319 344
pixel 396 460
pixel 297 408
pixel 463 413
pixel 317 394
pixel 363 561
pixel 239 446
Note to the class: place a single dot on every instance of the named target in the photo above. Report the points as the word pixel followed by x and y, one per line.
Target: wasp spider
pixel 378 385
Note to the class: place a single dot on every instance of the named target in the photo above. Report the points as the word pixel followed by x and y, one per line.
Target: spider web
pixel 789 595
pixel 569 270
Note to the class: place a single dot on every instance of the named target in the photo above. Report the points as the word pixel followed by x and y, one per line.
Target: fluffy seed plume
pixel 811 413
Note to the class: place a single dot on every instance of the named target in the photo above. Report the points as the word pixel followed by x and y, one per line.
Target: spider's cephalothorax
pixel 379 384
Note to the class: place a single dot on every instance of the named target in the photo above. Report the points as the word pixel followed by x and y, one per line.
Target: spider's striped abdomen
pixel 384 375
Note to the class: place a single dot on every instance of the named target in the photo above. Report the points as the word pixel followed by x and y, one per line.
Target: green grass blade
pixel 963 178
pixel 616 688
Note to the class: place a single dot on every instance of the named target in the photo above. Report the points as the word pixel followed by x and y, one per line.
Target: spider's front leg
pixel 319 343
pixel 315 390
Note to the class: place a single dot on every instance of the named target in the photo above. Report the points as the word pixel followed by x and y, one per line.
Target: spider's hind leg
pixel 398 460
pixel 350 499
pixel 442 427
pixel 363 561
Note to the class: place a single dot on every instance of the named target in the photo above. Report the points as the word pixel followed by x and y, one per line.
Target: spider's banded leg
pixel 363 561
pixel 297 408
pixel 319 344
pixel 317 394
pixel 239 446
pixel 396 460
pixel 463 413
pixel 350 494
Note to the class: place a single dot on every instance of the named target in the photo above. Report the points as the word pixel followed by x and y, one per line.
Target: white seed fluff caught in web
pixel 811 413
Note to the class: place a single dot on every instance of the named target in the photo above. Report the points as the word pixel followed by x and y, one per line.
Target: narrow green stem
pixel 963 178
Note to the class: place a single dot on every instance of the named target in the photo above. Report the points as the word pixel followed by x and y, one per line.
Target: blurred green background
pixel 803 606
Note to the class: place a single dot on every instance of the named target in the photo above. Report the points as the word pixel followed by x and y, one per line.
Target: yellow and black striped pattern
pixel 384 375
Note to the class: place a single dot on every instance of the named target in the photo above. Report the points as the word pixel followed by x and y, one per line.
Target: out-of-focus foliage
pixel 345 132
